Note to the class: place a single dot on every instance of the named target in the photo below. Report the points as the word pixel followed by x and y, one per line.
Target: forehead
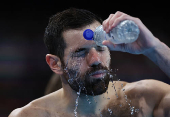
pixel 74 37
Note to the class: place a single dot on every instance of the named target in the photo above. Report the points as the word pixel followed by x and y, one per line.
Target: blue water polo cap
pixel 88 34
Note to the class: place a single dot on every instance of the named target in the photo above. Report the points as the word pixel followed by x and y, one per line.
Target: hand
pixel 145 42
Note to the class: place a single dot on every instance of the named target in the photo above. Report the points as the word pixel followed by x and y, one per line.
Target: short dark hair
pixel 68 19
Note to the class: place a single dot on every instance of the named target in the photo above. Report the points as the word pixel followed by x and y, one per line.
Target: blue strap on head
pixel 88 34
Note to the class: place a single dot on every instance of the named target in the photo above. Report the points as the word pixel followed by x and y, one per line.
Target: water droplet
pixel 110 111
pixel 70 81
pixel 115 89
pixel 126 97
pixel 132 110
pixel 76 105
pixel 89 102
pixel 117 96
pixel 75 113
pixel 122 85
pixel 136 110
pixel 100 113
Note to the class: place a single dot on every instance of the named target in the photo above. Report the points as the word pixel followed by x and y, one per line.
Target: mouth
pixel 98 74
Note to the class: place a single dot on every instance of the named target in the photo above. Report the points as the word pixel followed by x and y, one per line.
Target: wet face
pixel 86 65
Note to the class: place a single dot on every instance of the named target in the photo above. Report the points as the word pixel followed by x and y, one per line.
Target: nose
pixel 93 57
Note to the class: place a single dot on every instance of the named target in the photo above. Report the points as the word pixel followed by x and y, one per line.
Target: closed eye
pixel 80 52
pixel 80 49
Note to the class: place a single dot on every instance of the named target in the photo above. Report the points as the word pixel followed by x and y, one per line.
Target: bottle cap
pixel 88 34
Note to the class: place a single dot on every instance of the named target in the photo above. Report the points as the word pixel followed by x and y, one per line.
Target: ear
pixel 54 63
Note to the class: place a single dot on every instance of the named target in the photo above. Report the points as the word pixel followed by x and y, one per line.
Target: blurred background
pixel 24 73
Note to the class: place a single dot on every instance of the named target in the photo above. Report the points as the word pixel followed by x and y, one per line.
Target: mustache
pixel 76 74
pixel 96 68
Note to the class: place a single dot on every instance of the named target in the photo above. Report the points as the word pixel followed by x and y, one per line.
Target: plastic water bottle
pixel 125 32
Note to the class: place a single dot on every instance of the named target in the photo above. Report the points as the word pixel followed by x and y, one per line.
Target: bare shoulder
pixel 149 90
pixel 29 111
pixel 41 107
pixel 148 85
pixel 155 93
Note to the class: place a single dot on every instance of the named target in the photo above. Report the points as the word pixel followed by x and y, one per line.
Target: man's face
pixel 86 64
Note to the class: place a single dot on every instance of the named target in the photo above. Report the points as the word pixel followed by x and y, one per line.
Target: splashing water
pixel 110 111
pixel 132 108
pixel 76 105
pixel 136 110
pixel 75 66
pixel 94 97
pixel 115 89
pixel 100 113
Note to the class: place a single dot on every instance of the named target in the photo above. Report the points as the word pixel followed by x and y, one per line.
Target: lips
pixel 98 74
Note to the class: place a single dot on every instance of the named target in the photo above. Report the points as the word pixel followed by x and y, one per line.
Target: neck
pixel 86 104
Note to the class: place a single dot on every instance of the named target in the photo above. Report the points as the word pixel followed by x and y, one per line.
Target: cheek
pixel 106 59
pixel 76 64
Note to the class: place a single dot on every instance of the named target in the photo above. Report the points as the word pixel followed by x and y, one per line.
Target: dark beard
pixel 89 86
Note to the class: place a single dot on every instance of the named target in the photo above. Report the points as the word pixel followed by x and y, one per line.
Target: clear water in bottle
pixel 125 32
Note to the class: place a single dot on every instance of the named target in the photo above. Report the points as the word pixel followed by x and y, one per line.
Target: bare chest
pixel 126 105
pixel 115 110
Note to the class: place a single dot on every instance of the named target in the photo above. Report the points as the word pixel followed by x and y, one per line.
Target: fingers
pixel 109 44
pixel 114 19
pixel 115 47
pixel 106 22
